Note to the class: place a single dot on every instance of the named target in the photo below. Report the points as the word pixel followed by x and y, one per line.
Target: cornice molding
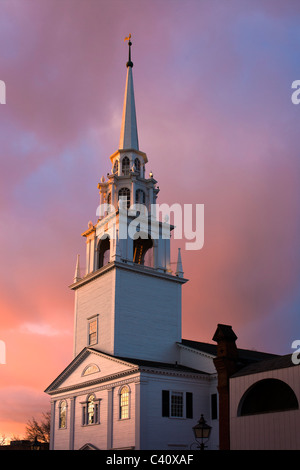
pixel 89 390
pixel 134 369
pixel 125 151
pixel 129 266
pixel 197 351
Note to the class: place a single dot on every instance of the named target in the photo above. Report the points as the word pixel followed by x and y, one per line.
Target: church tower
pixel 128 301
pixel 131 372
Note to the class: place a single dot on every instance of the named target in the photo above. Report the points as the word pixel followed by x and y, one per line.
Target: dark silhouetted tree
pixel 39 430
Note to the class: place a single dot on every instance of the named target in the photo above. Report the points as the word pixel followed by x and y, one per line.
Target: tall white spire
pixel 129 134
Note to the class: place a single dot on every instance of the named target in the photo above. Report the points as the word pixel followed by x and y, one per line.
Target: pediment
pixel 90 366
pixel 88 447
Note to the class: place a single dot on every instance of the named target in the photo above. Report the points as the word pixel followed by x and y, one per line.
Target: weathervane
pixel 129 63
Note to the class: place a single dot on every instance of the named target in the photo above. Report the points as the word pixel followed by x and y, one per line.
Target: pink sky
pixel 213 97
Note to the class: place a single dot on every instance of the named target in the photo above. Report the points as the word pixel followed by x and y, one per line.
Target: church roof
pixel 160 365
pixel 132 365
pixel 274 363
pixel 246 356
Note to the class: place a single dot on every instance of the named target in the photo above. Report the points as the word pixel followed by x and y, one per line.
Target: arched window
pixel 140 196
pixel 116 167
pixel 125 192
pixel 266 396
pixel 63 414
pixel 90 411
pixel 90 369
pixel 125 166
pixel 124 402
pixel 104 252
pixel 137 165
pixel 142 251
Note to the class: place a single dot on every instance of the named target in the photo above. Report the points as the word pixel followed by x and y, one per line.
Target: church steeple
pixel 128 303
pixel 129 134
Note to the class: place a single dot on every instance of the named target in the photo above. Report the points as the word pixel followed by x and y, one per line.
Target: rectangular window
pixel 214 406
pixel 92 332
pixel 177 404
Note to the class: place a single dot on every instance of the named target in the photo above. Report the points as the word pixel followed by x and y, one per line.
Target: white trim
pixel 201 353
pixel 128 265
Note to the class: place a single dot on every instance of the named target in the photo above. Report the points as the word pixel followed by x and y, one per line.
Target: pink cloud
pixel 212 86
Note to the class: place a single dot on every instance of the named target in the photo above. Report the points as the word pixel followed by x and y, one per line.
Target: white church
pixel 133 383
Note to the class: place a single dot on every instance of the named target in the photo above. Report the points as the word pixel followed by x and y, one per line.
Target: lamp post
pixel 202 431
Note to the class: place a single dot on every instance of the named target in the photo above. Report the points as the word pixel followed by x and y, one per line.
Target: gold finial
pixel 129 63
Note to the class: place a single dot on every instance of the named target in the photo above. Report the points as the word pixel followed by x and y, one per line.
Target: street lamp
pixel 202 431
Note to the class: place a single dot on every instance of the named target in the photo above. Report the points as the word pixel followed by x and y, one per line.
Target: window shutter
pixel 96 413
pixel 189 405
pixel 83 415
pixel 214 406
pixel 165 403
